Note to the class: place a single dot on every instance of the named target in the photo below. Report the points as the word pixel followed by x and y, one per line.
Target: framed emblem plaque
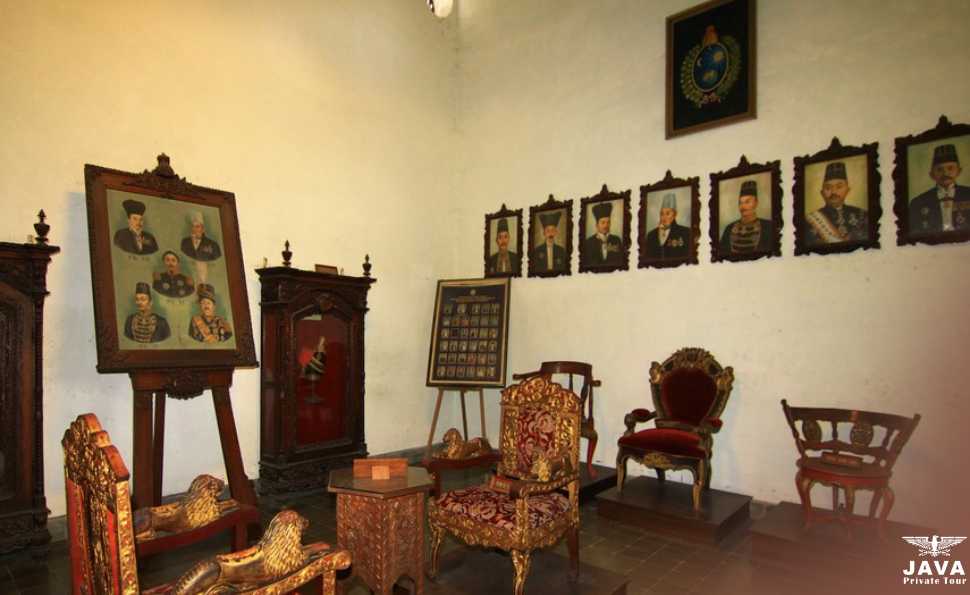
pixel 711 54
pixel 166 272
pixel 469 333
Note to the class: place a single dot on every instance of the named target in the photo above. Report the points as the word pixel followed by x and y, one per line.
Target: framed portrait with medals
pixel 166 272
pixel 670 220
pixel 503 243
pixel 837 199
pixel 470 333
pixel 551 238
pixel 711 59
pixel 604 232
pixel 746 212
pixel 932 185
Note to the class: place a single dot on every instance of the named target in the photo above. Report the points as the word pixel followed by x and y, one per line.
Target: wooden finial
pixel 164 167
pixel 41 228
pixel 286 253
pixel 367 265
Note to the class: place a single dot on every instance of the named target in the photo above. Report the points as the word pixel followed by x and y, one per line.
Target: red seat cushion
pixel 666 440
pixel 814 466
pixel 495 508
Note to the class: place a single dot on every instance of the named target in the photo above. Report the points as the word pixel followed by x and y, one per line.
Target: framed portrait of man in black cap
pixel 746 212
pixel 837 199
pixel 932 185
pixel 551 238
pixel 669 222
pixel 167 272
pixel 503 243
pixel 604 232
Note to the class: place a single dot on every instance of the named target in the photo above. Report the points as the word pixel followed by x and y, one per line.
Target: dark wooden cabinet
pixel 311 421
pixel 23 287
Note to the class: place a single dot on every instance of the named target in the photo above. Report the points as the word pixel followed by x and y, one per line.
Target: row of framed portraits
pixel 836 203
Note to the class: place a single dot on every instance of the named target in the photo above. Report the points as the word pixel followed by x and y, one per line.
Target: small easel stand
pixel 151 388
pixel 436 465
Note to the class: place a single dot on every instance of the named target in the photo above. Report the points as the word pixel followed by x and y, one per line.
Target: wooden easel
pixel 151 388
pixel 464 417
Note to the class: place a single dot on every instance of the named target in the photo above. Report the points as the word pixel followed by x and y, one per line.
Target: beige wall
pixel 331 121
pixel 561 96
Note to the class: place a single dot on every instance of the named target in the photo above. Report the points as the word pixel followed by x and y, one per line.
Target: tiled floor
pixel 655 564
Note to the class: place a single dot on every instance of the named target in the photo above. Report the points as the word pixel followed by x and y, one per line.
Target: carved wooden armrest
pixel 710 425
pixel 595 383
pixel 637 416
pixel 524 375
pixel 523 488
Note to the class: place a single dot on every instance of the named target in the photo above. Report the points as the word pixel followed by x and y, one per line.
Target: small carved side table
pixel 382 523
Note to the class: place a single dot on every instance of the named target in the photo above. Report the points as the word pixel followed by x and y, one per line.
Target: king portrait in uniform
pixel 197 246
pixel 144 326
pixel 748 234
pixel 208 327
pixel 669 239
pixel 171 282
pixel 837 222
pixel 603 247
pixel 945 206
pixel 548 255
pixel 134 239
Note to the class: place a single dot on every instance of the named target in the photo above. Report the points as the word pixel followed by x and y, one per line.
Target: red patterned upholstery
pixel 488 506
pixel 688 394
pixel 668 440
pixel 535 434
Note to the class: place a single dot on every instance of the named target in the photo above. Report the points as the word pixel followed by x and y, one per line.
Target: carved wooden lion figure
pixel 200 505
pixel 458 448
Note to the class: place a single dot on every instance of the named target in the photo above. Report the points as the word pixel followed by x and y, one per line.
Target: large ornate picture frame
pixel 746 212
pixel 166 272
pixel 932 185
pixel 601 250
pixel 670 222
pixel 469 333
pixel 837 199
pixel 551 238
pixel 503 243
pixel 711 59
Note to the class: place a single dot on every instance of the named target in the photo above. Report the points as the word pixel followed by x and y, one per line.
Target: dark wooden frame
pixel 552 205
pixel 503 339
pixel 670 183
pixel 944 129
pixel 504 213
pixel 605 195
pixel 164 183
pixel 837 151
pixel 752 46
pixel 289 295
pixel 746 169
pixel 23 289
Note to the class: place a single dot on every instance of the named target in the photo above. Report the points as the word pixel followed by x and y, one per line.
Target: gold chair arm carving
pixel 637 416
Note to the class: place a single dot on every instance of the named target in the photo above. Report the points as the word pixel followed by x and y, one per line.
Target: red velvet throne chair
pixel 690 390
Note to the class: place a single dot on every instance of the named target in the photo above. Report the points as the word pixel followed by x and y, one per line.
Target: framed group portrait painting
pixel 836 199
pixel 711 59
pixel 503 243
pixel 604 231
pixel 166 272
pixel 669 218
pixel 551 238
pixel 746 212
pixel 932 201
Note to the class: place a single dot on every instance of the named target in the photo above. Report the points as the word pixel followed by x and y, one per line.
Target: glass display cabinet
pixel 312 382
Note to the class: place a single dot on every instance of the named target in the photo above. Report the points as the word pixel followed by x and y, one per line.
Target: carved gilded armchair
pixel 583 372
pixel 533 499
pixel 859 464
pixel 101 535
pixel 689 390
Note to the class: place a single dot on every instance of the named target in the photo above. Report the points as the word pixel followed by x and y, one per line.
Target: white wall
pixel 329 121
pixel 560 96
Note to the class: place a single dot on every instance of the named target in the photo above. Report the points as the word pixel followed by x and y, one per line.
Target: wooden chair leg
pixel 846 516
pixel 590 449
pixel 240 537
pixel 621 459
pixel 437 536
pixel 572 542
pixel 835 499
pixel 874 503
pixel 888 498
pixel 698 486
pixel 521 560
pixel 661 475
pixel 804 487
